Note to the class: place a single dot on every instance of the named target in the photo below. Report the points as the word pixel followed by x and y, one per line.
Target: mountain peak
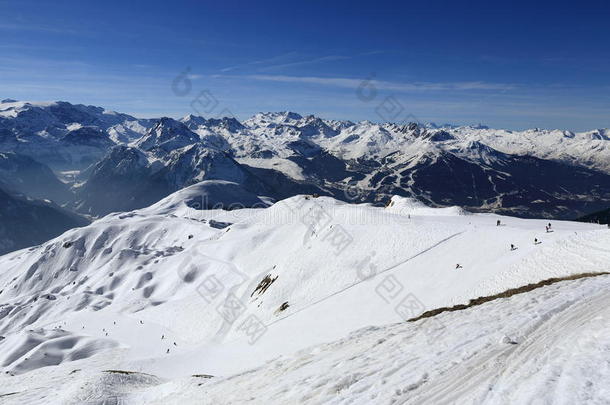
pixel 281 117
pixel 292 115
pixel 167 134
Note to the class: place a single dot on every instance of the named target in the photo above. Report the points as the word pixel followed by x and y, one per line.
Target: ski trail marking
pixel 370 278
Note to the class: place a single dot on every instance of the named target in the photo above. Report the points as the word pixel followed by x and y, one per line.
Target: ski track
pixel 367 279
pixel 394 365
pixel 556 327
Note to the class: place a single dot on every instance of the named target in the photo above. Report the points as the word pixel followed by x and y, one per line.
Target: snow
pixel 326 282
pixel 274 132
pixel 11 108
pixel 209 195
pixel 102 297
pixel 285 166
pixel 540 347
pixel 412 206
pixel 575 148
pixel 311 153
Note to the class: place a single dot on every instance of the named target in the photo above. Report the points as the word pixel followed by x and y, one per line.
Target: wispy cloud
pixel 323 59
pixel 35 28
pixel 288 60
pixel 383 85
pixel 377 52
pixel 275 59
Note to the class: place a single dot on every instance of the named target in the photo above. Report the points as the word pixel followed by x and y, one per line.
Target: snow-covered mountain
pixel 167 158
pixel 306 301
pixel 64 135
pixel 167 135
pixel 533 173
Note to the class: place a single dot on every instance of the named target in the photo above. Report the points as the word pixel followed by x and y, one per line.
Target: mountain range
pixel 94 161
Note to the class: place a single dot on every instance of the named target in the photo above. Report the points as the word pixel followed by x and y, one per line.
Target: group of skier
pixel 548 228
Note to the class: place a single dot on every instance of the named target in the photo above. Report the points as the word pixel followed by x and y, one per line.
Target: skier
pixel 536 241
pixel 498 222
pixel 513 247
pixel 458 266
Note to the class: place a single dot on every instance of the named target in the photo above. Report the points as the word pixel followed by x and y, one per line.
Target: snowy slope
pixel 546 346
pixel 141 291
pixel 411 206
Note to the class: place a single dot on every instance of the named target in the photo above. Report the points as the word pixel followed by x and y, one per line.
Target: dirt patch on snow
pixel 504 294
pixel 263 285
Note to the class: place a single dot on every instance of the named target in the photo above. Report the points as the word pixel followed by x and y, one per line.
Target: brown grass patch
pixel 504 294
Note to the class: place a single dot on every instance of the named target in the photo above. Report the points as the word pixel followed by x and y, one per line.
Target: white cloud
pixel 383 85
pixel 329 58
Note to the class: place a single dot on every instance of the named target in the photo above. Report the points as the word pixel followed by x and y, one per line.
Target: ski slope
pixel 547 346
pixel 141 291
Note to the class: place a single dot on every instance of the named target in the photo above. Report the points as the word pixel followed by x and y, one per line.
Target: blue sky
pixel 512 65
